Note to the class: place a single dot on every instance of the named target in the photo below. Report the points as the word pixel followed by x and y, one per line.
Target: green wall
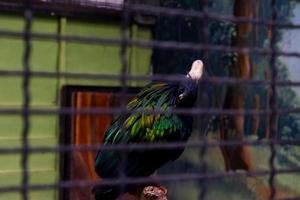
pixel 54 56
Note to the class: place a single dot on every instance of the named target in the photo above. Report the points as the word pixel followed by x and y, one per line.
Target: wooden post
pixel 255 121
pixel 238 157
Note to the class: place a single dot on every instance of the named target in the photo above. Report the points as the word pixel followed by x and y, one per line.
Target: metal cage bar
pixel 26 98
pixel 28 7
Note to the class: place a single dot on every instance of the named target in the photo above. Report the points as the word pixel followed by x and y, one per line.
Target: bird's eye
pixel 181 90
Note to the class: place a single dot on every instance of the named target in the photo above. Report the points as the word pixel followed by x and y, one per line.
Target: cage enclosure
pixel 75 113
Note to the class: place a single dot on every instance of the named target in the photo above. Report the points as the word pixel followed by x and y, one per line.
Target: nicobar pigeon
pixel 148 128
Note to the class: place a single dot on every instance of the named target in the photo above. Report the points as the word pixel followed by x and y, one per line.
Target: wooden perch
pixel 154 193
pixel 151 192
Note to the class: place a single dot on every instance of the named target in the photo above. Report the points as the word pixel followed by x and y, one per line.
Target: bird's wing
pixel 142 127
pixel 146 127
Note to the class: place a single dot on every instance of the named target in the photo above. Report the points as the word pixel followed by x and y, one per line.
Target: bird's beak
pixel 196 71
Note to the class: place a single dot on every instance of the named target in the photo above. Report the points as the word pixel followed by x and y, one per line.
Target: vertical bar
pixel 61 55
pixel 123 82
pixel 273 101
pixel 205 35
pixel 26 97
pixel 123 50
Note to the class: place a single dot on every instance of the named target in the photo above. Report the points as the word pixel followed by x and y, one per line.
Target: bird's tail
pixel 101 193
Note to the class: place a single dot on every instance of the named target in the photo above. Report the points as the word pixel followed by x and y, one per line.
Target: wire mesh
pixel 76 9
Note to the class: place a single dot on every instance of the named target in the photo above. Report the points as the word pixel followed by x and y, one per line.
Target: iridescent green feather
pixel 144 127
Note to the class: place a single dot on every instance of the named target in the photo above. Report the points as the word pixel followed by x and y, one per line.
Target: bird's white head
pixel 196 71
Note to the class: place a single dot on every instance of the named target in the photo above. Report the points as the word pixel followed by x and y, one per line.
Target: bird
pixel 146 127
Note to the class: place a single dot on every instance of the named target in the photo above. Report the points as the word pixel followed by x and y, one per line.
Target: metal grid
pixel 124 42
